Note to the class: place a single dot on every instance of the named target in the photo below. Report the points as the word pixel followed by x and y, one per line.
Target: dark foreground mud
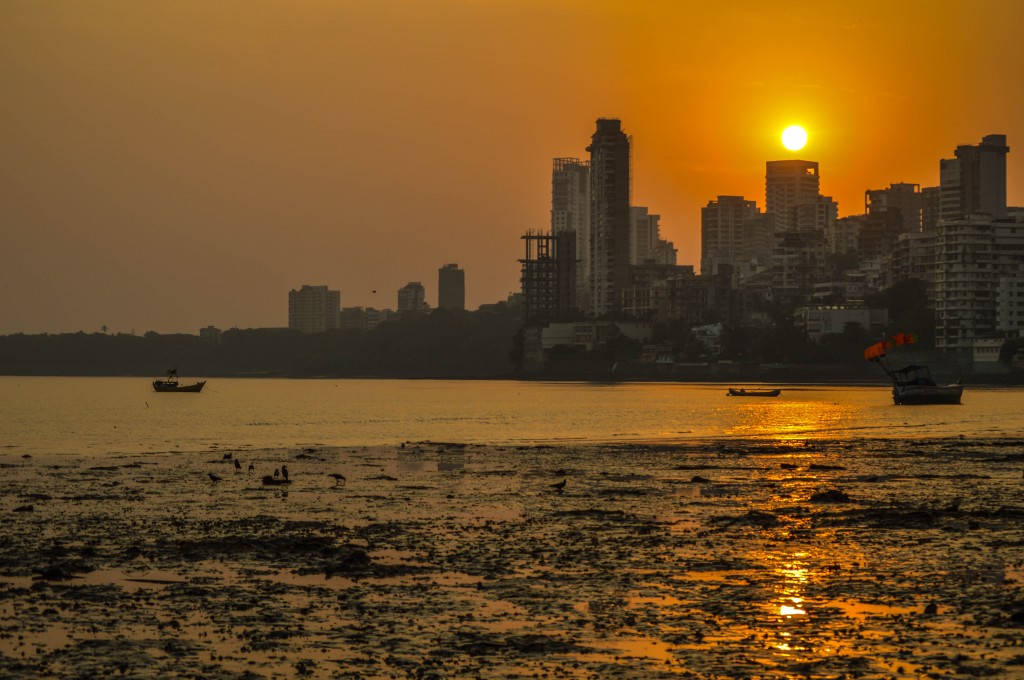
pixel 718 560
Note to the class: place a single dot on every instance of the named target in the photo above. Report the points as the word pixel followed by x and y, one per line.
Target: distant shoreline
pixel 797 380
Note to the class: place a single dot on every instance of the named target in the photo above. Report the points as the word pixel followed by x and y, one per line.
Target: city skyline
pixel 168 168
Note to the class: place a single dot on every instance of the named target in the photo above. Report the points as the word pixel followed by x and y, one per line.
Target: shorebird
pixel 338 478
pixel 277 473
pixel 559 487
pixel 214 478
pixel 284 472
pixel 252 468
pixel 238 465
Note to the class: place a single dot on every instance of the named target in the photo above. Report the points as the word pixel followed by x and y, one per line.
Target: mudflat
pixel 715 559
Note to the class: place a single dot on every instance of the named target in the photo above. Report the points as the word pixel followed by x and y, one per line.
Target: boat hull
pixel 166 386
pixel 914 395
pixel 753 393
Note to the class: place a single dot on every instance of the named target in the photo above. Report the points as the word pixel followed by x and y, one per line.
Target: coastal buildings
pixel 548 275
pixel 792 195
pixel 609 216
pixel 570 213
pixel 735 237
pixel 979 249
pixel 975 180
pixel 412 299
pixel 645 243
pixel 451 287
pixel 979 269
pixel 314 309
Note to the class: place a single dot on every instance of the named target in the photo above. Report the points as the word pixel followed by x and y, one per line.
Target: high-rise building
pixel 412 298
pixel 843 236
pixel 978 260
pixel 314 309
pixel 902 199
pixel 803 218
pixel 931 205
pixel 609 216
pixel 451 287
pixel 723 232
pixel 570 212
pixel 792 195
pixel 644 236
pixel 975 181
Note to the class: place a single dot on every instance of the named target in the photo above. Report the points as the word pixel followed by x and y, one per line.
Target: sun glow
pixel 794 137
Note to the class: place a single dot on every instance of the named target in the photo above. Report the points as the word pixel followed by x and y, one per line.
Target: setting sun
pixel 794 137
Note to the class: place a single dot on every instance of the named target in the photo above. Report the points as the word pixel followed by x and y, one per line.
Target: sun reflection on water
pixel 789 419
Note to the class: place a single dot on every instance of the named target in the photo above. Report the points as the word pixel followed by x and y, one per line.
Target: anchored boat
pixel 912 384
pixel 733 392
pixel 171 384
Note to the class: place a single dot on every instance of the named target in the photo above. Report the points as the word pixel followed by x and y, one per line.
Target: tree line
pixel 442 344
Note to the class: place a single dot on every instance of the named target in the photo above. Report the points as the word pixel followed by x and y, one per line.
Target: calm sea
pixel 106 415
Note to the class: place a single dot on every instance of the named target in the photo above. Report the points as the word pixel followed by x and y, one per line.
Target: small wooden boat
pixel 733 392
pixel 171 384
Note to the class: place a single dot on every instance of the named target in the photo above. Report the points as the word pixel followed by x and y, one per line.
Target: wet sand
pixel 860 558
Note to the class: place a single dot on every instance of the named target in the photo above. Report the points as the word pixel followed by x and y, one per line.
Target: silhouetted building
pixel 451 287
pixel 798 262
pixel 549 275
pixel 902 199
pixel 726 226
pixel 931 205
pixel 803 218
pixel 314 309
pixel 570 212
pixel 979 267
pixel 912 257
pixel 375 317
pixel 609 215
pixel 210 333
pixel 412 299
pixel 975 181
pixel 792 195
pixel 878 233
pixel 645 244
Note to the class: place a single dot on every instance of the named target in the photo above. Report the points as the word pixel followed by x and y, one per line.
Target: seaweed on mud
pixel 489 644
pixel 62 571
pixel 619 491
pixel 756 518
pixel 271 548
pixel 596 513
pixel 830 496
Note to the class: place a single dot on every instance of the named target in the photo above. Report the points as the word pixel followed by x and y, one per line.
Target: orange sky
pixel 168 165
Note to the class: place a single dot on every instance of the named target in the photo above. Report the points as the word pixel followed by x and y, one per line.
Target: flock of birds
pixel 280 473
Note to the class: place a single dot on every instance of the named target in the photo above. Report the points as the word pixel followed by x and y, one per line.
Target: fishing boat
pixel 171 384
pixel 733 392
pixel 912 384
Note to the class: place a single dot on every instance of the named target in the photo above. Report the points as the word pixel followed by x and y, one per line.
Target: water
pixel 104 415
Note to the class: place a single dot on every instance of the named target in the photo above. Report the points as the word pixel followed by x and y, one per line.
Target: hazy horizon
pixel 168 166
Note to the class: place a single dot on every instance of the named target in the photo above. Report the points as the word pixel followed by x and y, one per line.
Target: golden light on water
pixel 794 138
pixel 787 419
